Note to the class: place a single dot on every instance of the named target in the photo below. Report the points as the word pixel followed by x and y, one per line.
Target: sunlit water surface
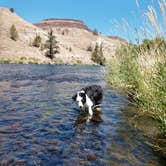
pixel 40 124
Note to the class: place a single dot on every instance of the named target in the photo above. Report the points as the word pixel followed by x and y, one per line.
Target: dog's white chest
pixel 89 102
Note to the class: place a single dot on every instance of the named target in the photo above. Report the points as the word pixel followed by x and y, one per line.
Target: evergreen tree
pixel 102 59
pixel 37 41
pixel 51 45
pixel 97 55
pixel 13 33
pixel 12 10
pixel 95 32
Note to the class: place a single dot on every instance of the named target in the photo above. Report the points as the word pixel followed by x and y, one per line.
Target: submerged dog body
pixel 89 97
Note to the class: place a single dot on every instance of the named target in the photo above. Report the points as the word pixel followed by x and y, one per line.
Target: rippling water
pixel 40 124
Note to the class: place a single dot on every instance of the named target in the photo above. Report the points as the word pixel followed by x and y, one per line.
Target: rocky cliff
pixel 61 23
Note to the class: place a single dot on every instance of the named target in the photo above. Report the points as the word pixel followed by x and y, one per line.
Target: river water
pixel 40 124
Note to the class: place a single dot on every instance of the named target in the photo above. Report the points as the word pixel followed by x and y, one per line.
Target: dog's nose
pixel 80 107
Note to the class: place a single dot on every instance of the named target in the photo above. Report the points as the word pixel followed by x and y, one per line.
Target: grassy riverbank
pixel 30 60
pixel 142 74
pixel 140 69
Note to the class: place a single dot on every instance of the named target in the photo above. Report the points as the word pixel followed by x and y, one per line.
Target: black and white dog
pixel 89 97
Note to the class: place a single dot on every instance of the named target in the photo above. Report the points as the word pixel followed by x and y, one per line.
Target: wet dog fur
pixel 89 97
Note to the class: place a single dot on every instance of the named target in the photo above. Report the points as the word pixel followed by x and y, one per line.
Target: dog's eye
pixel 82 94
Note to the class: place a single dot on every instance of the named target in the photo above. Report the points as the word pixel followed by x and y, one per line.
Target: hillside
pixel 14 50
pixel 73 37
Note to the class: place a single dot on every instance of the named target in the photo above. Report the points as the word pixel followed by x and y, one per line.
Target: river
pixel 41 125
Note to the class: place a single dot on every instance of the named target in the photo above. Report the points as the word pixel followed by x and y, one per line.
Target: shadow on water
pixel 40 125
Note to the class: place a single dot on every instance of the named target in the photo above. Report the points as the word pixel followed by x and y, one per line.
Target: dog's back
pixel 95 93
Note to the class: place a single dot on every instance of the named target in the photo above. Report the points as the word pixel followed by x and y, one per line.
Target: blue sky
pixel 95 13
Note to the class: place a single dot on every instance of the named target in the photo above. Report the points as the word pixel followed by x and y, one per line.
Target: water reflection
pixel 83 119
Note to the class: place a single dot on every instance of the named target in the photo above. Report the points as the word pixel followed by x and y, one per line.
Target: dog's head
pixel 80 98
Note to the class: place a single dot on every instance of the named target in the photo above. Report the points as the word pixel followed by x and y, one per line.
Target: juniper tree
pixel 95 32
pixel 37 41
pixel 102 59
pixel 89 48
pixel 51 45
pixel 13 33
pixel 97 55
pixel 11 10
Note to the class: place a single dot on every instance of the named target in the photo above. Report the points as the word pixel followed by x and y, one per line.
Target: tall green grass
pixel 140 69
pixel 146 85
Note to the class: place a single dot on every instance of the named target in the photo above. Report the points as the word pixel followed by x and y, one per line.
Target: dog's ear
pixel 74 97
pixel 83 95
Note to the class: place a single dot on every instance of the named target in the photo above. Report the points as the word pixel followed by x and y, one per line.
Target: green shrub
pixel 13 33
pixel 155 44
pixel 70 49
pixel 37 41
pixel 42 46
pixel 89 48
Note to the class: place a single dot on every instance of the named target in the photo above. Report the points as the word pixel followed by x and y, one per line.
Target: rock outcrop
pixel 62 23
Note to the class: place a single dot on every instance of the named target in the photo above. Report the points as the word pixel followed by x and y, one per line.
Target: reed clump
pixel 140 69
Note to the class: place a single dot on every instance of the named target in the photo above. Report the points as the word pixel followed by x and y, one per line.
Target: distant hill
pixel 73 36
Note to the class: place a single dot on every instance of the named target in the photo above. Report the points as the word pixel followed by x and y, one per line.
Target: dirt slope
pixel 74 38
pixel 10 49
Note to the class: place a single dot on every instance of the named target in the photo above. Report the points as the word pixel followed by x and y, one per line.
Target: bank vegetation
pixel 140 70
